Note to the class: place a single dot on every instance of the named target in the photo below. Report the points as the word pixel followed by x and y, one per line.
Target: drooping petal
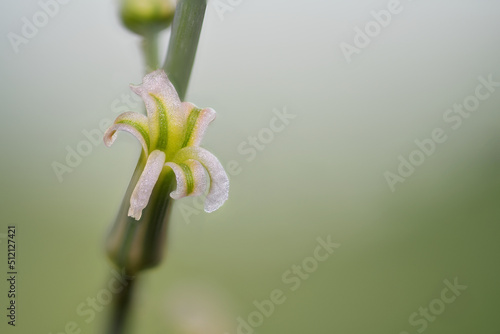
pixel 219 182
pixel 190 177
pixel 165 115
pixel 132 122
pixel 196 124
pixel 142 192
pixel 199 177
pixel 180 178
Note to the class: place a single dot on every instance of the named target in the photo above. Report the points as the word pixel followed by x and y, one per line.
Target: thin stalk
pixel 138 245
pixel 186 30
pixel 150 51
pixel 122 303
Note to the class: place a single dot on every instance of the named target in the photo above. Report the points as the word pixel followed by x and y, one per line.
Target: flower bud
pixel 147 16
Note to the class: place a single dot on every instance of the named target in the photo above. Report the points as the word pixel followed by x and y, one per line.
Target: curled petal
pixel 180 178
pixel 219 182
pixel 132 122
pixel 197 122
pixel 199 177
pixel 142 192
pixel 165 116
pixel 190 177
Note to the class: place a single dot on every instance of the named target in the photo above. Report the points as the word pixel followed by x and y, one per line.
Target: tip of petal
pixel 153 79
pixel 134 213
pixel 136 89
pixel 142 191
pixel 213 204
pixel 219 189
pixel 157 74
pixel 109 137
pixel 210 114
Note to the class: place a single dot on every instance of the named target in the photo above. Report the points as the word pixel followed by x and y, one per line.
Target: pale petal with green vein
pixel 170 136
pixel 165 115
pixel 197 123
pixel 190 177
pixel 132 122
pixel 219 182
pixel 144 187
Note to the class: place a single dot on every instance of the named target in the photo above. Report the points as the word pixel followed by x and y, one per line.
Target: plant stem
pixel 122 303
pixel 150 51
pixel 134 245
pixel 138 245
pixel 186 30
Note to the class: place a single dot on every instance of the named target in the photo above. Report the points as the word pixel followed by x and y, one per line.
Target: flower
pixel 170 136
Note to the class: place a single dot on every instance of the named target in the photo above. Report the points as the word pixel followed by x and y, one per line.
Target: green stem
pixel 150 51
pixel 186 30
pixel 138 245
pixel 122 303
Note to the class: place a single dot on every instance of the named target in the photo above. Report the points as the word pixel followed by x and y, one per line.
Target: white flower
pixel 170 136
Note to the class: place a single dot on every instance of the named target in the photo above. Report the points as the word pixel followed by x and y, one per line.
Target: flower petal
pixel 180 178
pixel 190 177
pixel 165 116
pixel 219 182
pixel 140 197
pixel 197 122
pixel 132 122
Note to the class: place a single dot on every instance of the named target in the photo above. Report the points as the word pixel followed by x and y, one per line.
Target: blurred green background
pixel 322 175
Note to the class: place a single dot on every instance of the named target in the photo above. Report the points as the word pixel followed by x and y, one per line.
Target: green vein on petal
pixel 189 178
pixel 162 123
pixel 191 122
pixel 138 127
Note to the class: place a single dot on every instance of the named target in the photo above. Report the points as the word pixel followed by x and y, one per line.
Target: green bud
pixel 147 16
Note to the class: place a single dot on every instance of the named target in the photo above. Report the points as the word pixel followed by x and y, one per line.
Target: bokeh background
pixel 323 175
